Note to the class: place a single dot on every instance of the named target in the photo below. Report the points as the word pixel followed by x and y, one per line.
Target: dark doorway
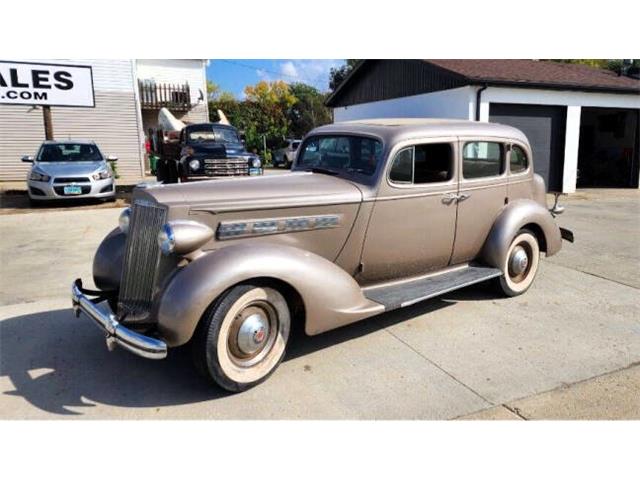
pixel 608 152
pixel 544 127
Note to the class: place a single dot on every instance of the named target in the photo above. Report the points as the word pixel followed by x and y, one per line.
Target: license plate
pixel 254 171
pixel 72 190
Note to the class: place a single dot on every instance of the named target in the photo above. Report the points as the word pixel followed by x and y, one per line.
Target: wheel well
pixel 291 295
pixel 537 231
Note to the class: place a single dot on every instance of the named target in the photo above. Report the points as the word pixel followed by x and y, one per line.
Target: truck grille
pixel 142 256
pixel 221 167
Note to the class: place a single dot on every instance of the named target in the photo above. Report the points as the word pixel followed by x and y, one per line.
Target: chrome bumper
pixel 117 334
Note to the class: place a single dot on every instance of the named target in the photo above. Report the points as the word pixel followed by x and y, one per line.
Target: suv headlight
pixel 123 221
pixel 102 175
pixel 255 162
pixel 39 177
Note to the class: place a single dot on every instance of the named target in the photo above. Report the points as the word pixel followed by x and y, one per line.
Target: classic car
pixel 376 215
pixel 69 169
pixel 207 150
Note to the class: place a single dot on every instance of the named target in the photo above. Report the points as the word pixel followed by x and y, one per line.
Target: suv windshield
pixel 69 152
pixel 340 153
pixel 212 134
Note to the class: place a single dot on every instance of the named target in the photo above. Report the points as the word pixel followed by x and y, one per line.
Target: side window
pixel 433 163
pixel 402 168
pixel 517 160
pixel 482 159
pixel 427 163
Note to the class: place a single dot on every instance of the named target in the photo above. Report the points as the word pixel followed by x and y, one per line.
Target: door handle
pixel 463 196
pixel 449 198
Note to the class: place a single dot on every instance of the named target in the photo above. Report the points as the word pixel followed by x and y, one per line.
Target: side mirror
pixel 27 159
pixel 112 158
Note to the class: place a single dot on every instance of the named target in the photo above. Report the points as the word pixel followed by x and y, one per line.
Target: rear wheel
pixel 521 264
pixel 242 338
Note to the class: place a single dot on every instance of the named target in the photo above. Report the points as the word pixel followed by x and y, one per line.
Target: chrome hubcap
pixel 519 261
pixel 253 333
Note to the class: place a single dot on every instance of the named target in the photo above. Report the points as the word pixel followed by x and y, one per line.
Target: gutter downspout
pixel 478 98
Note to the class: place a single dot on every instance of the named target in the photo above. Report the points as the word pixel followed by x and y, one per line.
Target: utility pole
pixel 48 123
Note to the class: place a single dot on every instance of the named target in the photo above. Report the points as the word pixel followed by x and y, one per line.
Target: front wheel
pixel 521 264
pixel 242 337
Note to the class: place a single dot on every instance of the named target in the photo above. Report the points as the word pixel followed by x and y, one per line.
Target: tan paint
pixel 411 229
pixel 386 232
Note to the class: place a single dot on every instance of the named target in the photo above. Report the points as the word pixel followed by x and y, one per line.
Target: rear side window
pixel 517 160
pixel 482 159
pixel 428 163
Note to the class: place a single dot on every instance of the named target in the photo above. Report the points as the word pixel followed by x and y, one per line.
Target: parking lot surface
pixel 568 348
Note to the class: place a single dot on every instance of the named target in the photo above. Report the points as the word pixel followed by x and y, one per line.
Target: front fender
pixel 330 295
pixel 512 218
pixel 108 261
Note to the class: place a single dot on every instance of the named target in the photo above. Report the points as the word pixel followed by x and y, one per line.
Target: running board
pixel 407 293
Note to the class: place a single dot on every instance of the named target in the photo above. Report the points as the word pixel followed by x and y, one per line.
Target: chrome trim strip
pixel 141 345
pixel 242 228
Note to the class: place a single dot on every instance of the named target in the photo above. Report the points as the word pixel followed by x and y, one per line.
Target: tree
pixel 337 75
pixel 213 90
pixel 308 111
pixel 609 64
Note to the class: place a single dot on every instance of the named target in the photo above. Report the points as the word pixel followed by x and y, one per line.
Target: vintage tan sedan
pixel 376 215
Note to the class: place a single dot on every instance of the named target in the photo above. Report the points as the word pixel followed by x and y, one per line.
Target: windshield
pixel 340 153
pixel 212 134
pixel 69 152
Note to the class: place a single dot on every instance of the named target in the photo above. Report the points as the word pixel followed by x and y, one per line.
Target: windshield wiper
pixel 326 171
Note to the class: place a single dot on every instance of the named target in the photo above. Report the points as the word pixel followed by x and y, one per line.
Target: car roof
pixel 396 129
pixel 210 124
pixel 70 140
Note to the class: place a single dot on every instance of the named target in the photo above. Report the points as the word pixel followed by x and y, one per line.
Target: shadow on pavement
pixel 56 361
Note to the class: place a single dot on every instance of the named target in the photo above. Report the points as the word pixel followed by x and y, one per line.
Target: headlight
pixel 102 175
pixel 194 165
pixel 166 239
pixel 255 163
pixel 123 221
pixel 183 236
pixel 39 177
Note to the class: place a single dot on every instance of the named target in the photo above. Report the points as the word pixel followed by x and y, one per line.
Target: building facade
pixel 582 123
pixel 121 115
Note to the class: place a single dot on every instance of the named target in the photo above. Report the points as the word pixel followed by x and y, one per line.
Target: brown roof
pixel 539 73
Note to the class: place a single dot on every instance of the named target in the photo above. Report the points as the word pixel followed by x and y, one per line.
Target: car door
pixel 412 225
pixel 482 193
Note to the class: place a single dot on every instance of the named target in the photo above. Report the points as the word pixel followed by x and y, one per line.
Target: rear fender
pixel 331 297
pixel 512 218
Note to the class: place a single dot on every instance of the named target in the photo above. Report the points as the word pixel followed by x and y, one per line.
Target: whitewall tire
pixel 243 336
pixel 521 264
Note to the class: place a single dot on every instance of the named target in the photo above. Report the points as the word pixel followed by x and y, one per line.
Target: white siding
pixel 114 124
pixel 191 72
pixel 21 133
pixel 454 103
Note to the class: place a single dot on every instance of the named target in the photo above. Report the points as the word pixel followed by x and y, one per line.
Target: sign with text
pixel 24 83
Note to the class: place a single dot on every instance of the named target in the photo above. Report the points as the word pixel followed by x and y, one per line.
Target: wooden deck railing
pixel 154 96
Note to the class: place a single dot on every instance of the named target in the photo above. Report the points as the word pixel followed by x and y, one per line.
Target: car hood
pixel 249 193
pixel 68 169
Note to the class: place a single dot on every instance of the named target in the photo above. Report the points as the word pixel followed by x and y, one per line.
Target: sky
pixel 233 75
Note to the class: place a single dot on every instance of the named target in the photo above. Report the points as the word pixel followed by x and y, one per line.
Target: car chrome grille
pixel 219 167
pixel 142 256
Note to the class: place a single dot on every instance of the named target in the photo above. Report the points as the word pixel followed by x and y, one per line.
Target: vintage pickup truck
pixel 375 216
pixel 205 151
